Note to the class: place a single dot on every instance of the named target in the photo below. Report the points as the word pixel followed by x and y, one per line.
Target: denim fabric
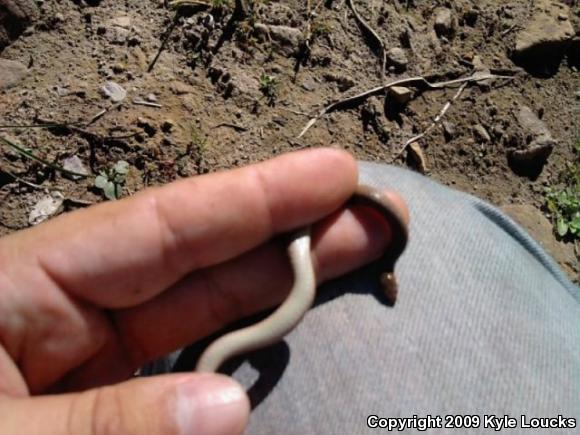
pixel 485 324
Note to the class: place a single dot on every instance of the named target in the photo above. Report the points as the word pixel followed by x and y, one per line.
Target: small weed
pixel 269 87
pixel 197 140
pixel 563 202
pixel 111 180
pixel 220 4
pixel 320 29
pixel 31 156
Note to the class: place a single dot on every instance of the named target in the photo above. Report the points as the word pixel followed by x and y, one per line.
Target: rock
pixel 416 153
pixel 289 38
pixel 534 126
pixel 530 160
pixel 309 84
pixel 531 156
pixel 147 126
pixel 11 73
pixel 470 17
pixel 541 45
pixel 243 86
pixel 118 29
pixel 444 22
pixel 46 207
pixel 344 82
pixel 180 88
pixel 375 107
pixel 449 130
pixel 15 17
pixel 373 115
pixel 481 70
pixel 434 44
pixel 481 133
pixel 540 229
pixel 168 125
pixel 75 164
pixel 397 58
pixel 114 91
pixel 400 94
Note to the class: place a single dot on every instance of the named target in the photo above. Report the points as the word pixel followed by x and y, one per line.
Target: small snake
pixel 301 297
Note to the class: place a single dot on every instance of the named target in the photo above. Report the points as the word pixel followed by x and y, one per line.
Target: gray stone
pixel 180 88
pixel 46 207
pixel 481 133
pixel 289 38
pixel 540 142
pixel 344 82
pixel 309 84
pixel 75 164
pixel 444 22
pixel 532 125
pixel 114 91
pixel 449 130
pixel 398 58
pixel 242 85
pixel 118 29
pixel 11 73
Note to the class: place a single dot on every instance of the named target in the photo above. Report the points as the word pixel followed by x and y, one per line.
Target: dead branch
pixel 141 102
pixel 411 81
pixel 176 4
pixel 433 124
pixel 236 127
pixel 371 32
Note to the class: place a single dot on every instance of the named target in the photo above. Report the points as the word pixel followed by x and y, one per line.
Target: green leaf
pixel 575 225
pixel 562 227
pixel 121 167
pixel 101 181
pixel 110 190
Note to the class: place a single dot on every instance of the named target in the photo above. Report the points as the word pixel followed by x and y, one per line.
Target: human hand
pixel 90 296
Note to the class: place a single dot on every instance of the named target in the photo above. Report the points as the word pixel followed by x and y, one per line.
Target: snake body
pixel 301 297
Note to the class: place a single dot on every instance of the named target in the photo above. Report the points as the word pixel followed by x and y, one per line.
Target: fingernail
pixel 211 404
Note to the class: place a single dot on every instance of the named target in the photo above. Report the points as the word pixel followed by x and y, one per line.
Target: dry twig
pixel 433 124
pixel 230 125
pixel 362 23
pixel 141 102
pixel 417 81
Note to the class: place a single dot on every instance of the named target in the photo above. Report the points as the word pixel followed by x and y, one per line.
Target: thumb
pixel 200 404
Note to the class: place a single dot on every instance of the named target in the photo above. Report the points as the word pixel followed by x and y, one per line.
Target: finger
pixel 206 301
pixel 199 404
pixel 122 253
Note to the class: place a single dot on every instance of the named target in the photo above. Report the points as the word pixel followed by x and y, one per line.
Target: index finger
pixel 122 253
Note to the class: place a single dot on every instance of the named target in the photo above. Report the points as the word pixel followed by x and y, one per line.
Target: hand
pixel 90 296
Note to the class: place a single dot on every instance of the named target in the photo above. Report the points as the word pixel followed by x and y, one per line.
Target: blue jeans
pixel 485 324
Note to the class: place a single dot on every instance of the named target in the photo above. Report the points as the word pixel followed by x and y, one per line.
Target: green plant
pixel 320 29
pixel 220 4
pixel 111 180
pixel 563 202
pixel 269 87
pixel 197 140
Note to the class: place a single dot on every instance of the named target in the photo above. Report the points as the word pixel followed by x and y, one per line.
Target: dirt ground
pixel 227 90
